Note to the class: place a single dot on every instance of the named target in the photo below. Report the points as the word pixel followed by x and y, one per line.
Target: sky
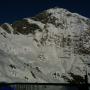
pixel 12 10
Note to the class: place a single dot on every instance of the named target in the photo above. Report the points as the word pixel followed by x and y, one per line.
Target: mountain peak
pixel 51 47
pixel 57 10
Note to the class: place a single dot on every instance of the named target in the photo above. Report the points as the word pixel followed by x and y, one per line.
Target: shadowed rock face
pixel 24 27
pixel 5 27
pixel 43 17
pixel 52 47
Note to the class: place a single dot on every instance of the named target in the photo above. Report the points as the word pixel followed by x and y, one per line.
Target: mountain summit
pixel 51 47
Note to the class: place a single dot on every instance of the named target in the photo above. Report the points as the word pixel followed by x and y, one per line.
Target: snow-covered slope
pixel 52 47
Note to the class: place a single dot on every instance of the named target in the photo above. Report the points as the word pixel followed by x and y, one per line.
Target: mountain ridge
pixel 51 47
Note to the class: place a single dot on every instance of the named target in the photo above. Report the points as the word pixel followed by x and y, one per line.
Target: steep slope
pixel 52 47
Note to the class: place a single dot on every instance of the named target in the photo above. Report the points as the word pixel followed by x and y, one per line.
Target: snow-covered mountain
pixel 51 47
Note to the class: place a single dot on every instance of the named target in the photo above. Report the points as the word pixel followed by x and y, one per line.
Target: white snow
pixel 53 56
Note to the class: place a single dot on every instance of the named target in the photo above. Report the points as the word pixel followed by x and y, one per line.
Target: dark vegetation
pixel 33 74
pixel 76 79
pixel 56 75
pixel 4 34
pixel 84 39
pixel 26 77
pixel 12 66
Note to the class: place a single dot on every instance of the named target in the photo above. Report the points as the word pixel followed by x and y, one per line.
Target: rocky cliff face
pixel 52 47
